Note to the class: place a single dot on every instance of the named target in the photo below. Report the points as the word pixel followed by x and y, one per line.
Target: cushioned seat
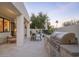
pixel 11 39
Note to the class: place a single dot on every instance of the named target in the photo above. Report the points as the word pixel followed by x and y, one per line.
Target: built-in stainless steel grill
pixel 60 38
pixel 63 37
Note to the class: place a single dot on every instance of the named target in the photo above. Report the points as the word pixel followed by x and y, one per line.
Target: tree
pixel 38 21
pixel 33 19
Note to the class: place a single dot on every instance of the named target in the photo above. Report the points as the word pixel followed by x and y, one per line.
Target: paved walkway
pixel 30 49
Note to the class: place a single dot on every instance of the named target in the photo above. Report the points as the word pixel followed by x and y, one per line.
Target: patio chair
pixel 33 37
pixel 11 39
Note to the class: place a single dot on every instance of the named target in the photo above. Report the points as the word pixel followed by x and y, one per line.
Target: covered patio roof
pixel 8 10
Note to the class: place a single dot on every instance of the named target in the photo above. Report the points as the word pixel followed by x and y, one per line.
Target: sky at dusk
pixel 61 11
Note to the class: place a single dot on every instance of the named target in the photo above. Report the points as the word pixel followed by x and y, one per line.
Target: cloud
pixel 59 13
pixel 63 7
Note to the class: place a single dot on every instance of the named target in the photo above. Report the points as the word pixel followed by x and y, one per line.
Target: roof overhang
pixel 7 9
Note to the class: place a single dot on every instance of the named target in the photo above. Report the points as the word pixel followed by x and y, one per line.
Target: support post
pixel 20 31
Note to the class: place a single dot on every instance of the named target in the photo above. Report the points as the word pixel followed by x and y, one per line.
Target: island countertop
pixel 72 49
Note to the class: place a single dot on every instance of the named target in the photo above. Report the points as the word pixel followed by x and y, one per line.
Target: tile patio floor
pixel 30 49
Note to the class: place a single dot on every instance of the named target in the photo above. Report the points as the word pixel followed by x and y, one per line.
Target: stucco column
pixel 20 31
pixel 28 31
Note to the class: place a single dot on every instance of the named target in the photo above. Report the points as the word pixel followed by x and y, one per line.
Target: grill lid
pixel 64 37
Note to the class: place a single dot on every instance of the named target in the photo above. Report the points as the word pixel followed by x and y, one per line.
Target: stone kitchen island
pixel 62 44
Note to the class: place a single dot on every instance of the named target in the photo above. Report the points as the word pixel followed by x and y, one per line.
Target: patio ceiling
pixel 7 9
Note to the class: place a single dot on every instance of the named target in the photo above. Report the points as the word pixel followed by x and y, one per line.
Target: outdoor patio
pixel 30 49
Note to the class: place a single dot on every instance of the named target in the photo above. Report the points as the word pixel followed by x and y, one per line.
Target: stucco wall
pixel 72 28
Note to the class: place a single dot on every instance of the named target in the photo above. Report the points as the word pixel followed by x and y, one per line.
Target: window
pixel 1 25
pixel 4 25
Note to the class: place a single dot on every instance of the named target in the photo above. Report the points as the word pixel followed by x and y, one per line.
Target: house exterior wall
pixel 20 6
pixel 4 35
pixel 72 28
pixel 21 10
